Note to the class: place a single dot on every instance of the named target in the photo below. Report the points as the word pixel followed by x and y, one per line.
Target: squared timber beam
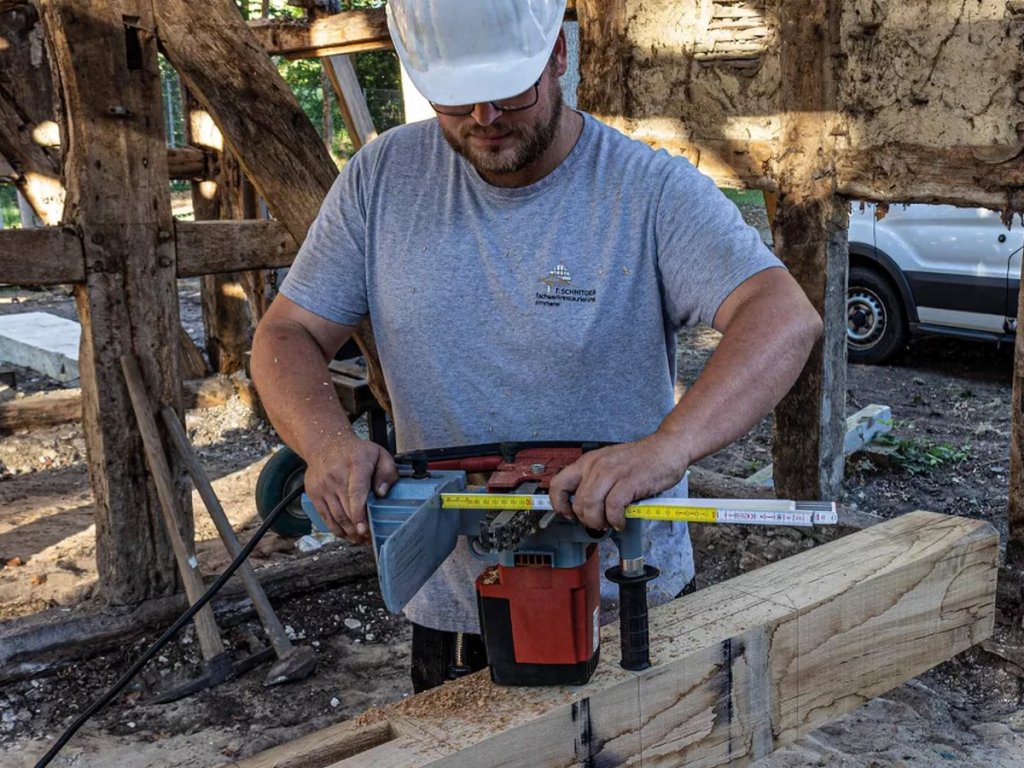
pixel 42 256
pixel 739 669
pixel 55 255
pixel 212 247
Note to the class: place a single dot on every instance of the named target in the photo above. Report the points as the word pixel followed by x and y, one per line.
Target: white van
pixel 931 268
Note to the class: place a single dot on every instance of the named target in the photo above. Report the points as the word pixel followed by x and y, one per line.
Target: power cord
pixel 166 636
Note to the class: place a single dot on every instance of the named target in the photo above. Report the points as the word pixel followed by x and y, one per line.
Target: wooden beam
pixel 603 87
pixel 54 255
pixel 342 33
pixel 227 319
pixel 208 247
pixel 252 106
pixel 984 177
pixel 43 409
pixel 64 406
pixel 105 57
pixel 342 74
pixel 43 256
pixel 189 163
pixel 739 668
pixel 52 639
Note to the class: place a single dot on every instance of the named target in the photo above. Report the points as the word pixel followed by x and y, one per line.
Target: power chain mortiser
pixel 539 600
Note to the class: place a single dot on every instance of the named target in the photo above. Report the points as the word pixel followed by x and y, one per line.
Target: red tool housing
pixel 541 624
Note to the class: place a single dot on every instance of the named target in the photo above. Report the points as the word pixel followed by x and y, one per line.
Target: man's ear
pixel 560 54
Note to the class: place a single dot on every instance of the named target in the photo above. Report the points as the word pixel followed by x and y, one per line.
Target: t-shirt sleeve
pixel 328 276
pixel 705 249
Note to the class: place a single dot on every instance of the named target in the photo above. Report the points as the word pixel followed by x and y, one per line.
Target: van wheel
pixel 876 322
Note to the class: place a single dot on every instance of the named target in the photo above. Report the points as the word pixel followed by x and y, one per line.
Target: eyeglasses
pixel 524 100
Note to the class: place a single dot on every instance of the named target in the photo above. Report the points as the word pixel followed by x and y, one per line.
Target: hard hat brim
pixel 473 82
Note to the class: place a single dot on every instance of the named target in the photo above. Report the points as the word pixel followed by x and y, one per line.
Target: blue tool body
pixel 412 534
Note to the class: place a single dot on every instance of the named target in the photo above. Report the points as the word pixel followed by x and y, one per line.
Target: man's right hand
pixel 339 479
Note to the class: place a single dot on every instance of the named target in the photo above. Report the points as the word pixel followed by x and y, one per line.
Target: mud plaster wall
pixel 929 73
pixel 943 73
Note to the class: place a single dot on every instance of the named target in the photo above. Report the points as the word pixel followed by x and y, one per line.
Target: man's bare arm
pixel 291 351
pixel 768 329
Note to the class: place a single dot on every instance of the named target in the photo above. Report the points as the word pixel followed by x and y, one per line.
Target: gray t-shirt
pixel 545 312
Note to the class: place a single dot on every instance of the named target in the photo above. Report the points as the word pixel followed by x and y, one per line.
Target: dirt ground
pixel 950 453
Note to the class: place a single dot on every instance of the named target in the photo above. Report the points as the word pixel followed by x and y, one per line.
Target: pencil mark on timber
pixel 583 741
pixel 589 750
pixel 731 648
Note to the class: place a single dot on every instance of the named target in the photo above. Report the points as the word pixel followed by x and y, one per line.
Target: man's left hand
pixel 603 482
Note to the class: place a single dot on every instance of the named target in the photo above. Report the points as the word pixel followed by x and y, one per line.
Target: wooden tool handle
pixel 188 566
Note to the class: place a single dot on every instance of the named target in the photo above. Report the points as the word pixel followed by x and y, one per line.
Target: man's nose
pixel 484 113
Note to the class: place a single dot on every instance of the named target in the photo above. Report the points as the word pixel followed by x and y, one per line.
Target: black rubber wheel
pixel 876 321
pixel 282 474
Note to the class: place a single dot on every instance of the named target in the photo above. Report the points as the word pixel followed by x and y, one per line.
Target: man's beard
pixel 530 142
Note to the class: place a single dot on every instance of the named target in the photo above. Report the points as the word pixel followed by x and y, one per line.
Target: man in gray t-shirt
pixel 526 269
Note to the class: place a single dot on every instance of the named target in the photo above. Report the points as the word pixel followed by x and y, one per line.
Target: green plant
pixel 9 214
pixel 918 456
pixel 744 196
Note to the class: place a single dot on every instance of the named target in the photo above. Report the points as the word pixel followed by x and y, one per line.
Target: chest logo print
pixel 557 276
pixel 560 289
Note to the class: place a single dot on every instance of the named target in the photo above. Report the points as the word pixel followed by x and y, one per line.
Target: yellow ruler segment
pixel 677 514
pixel 492 501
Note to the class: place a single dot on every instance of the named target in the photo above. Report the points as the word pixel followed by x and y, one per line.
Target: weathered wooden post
pixel 104 54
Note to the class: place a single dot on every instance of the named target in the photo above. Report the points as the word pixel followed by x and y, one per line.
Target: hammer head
pixel 298 664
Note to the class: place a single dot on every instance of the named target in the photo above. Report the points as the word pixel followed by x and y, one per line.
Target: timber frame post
pixel 104 55
pixel 809 230
pixel 1015 510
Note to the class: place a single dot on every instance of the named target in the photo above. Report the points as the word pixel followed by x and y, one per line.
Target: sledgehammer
pixel 294 662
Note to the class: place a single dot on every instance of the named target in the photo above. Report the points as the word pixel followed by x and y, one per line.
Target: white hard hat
pixel 469 51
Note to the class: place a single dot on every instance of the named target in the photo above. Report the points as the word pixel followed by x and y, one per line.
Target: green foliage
pixel 744 196
pixel 170 88
pixel 918 456
pixel 9 206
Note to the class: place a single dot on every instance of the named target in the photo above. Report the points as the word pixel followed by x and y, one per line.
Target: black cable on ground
pixel 166 636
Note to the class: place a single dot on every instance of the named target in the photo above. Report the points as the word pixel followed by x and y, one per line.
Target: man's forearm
pixel 290 372
pixel 757 361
